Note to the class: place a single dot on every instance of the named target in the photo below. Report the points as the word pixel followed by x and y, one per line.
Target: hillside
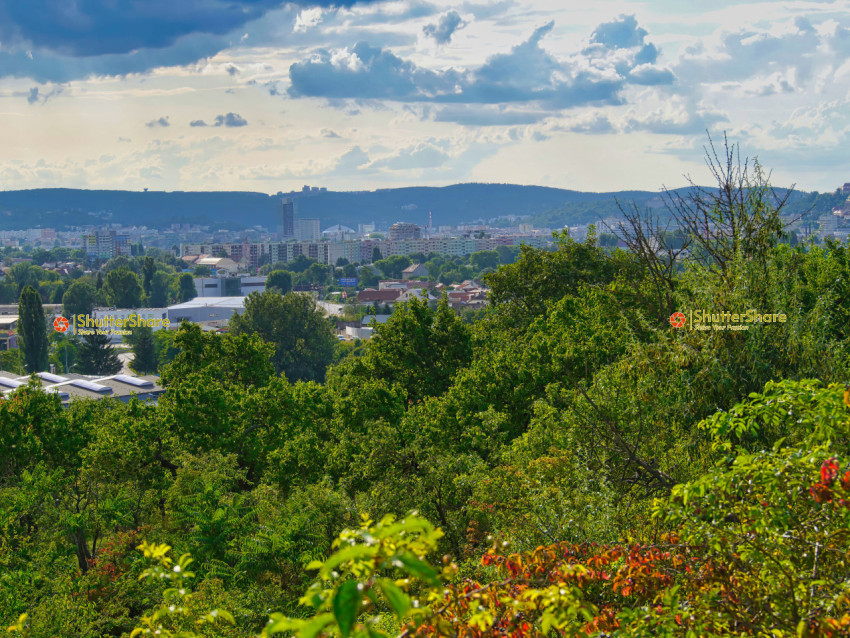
pixel 62 208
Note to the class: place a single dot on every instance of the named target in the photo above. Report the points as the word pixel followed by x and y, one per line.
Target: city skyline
pixel 266 96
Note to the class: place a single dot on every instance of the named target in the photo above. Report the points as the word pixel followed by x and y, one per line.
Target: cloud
pixel 676 116
pixel 162 121
pixel 326 132
pixel 232 69
pixel 749 52
pixel 528 73
pixel 622 33
pixel 197 123
pixel 414 157
pixel 230 120
pixel 307 19
pixel 351 162
pixel 34 95
pixel 445 28
pixel 487 115
pixel 58 41
pixel 98 27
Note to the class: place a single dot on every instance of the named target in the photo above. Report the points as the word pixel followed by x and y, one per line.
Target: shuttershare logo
pixel 724 320
pixel 108 325
pixel 677 320
pixel 60 324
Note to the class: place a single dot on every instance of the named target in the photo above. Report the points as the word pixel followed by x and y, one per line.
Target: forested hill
pixel 62 207
pixel 548 207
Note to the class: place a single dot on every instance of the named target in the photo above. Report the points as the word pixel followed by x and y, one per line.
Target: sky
pixel 262 95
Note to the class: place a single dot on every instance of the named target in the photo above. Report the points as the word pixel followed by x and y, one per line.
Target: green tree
pixel 80 298
pixel 32 329
pixel 123 288
pixel 186 288
pixel 303 339
pixel 148 270
pixel 144 351
pixel 484 259
pixel 160 285
pixel 376 254
pixel 300 264
pixel 418 348
pixel 203 271
pixel 97 356
pixel 280 281
pixel 393 265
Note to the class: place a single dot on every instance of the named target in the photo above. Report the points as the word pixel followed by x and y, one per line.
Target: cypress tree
pixel 32 329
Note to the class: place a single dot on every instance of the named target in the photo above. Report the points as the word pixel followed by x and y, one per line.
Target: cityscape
pixel 424 319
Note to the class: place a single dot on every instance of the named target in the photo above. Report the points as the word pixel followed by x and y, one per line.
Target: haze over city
pixel 267 96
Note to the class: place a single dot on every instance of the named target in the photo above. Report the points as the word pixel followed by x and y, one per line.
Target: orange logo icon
pixel 60 324
pixel 677 320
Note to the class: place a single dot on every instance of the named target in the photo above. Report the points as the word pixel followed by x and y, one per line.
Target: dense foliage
pixel 574 465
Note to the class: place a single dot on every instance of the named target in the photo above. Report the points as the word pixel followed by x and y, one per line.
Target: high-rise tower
pixel 287 228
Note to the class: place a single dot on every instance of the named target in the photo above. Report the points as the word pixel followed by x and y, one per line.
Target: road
pixel 125 358
pixel 333 309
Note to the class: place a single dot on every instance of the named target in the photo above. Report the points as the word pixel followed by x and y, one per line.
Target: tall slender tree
pixel 32 329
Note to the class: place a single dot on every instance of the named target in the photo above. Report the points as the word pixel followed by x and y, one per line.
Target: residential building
pixel 106 244
pixel 414 270
pixel 307 230
pixel 405 230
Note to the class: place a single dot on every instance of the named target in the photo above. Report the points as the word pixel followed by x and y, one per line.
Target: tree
pixel 300 263
pixel 186 288
pixel 484 259
pixel 279 280
pixel 418 348
pixel 303 339
pixel 97 356
pixel 204 271
pixel 160 285
pixel 123 288
pixel 144 351
pixel 376 254
pixel 79 299
pixel 740 217
pixel 148 269
pixel 32 329
pixel 393 265
pixel 317 273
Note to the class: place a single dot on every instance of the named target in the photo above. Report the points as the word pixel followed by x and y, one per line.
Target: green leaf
pixel 346 605
pixel 397 599
pixel 421 570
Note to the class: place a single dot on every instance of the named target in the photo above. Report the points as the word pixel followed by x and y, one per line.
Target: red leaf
pixel 829 470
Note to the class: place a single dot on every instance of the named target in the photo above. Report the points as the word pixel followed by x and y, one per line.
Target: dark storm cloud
pixel 61 40
pixel 98 27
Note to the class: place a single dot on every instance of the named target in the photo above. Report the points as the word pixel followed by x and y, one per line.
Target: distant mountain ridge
pixel 62 208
